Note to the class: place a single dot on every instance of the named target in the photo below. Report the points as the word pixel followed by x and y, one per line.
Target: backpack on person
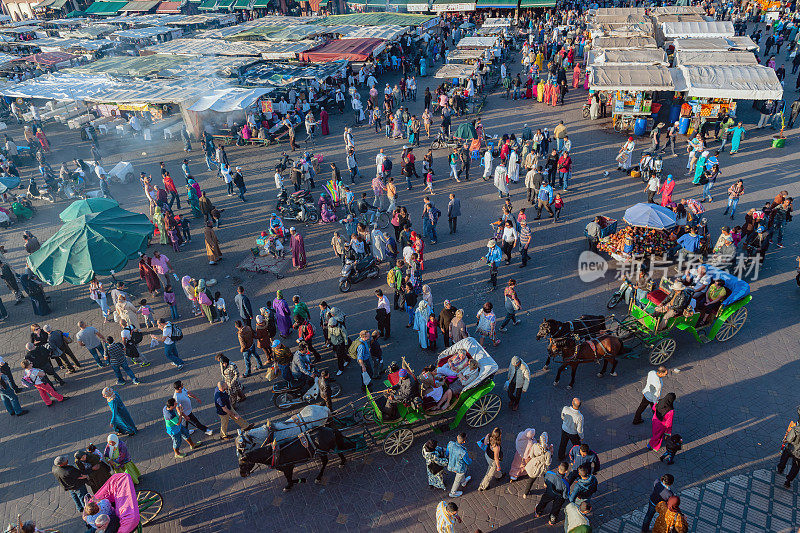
pixel 136 335
pixel 176 333
pixel 391 278
pixel 352 351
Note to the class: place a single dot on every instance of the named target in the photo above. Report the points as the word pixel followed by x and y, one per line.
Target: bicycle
pixel 375 216
pixel 624 123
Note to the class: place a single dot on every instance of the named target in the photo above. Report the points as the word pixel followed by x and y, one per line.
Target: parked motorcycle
pixel 287 397
pixel 39 193
pixel 355 271
pixel 299 206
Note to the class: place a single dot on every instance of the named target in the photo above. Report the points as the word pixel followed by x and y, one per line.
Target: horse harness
pixel 593 342
pixel 304 440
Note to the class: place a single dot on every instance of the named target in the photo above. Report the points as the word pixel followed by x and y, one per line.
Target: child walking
pixel 169 299
pixel 219 303
pixel 185 229
pixel 558 203
pixel 672 443
pixel 147 314
pixel 429 182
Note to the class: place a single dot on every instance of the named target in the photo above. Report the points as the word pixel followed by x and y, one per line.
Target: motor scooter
pixel 287 396
pixel 358 270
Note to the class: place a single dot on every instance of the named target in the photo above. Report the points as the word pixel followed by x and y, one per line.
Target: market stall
pixel 646 56
pixel 742 43
pixel 456 71
pixel 694 29
pixel 344 49
pixel 480 43
pixel 622 43
pixel 713 58
pixel 647 233
pixel 465 56
pixel 634 88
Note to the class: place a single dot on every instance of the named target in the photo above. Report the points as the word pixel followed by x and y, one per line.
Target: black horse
pixel 318 442
pixel 584 326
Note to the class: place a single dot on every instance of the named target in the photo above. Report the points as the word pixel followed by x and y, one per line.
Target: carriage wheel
pixel 662 351
pixel 622 331
pixel 732 325
pixel 150 503
pixel 398 441
pixel 483 411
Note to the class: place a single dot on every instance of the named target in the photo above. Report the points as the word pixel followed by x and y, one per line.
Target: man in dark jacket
pixel 71 480
pixel 58 346
pixel 10 278
pixel 581 455
pixel 556 490
pixel 445 317
pixel 791 450
pixel 662 491
pixel 584 487
pixel 453 212
pixel 40 357
pixel 243 305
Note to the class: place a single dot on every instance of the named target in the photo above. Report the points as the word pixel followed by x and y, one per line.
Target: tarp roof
pixel 626 18
pixel 459 71
pixel 477 42
pixel 496 21
pixel 631 78
pixel 389 32
pixel 376 19
pixel 716 43
pixel 461 54
pixel 651 56
pixel 350 49
pixel 677 10
pixel 280 32
pixel 139 6
pixel 716 28
pixel 144 33
pixel 165 66
pixel 739 82
pixel 279 74
pixel 53 44
pixel 623 43
pixel 6 58
pixel 169 7
pixel 619 11
pixel 49 58
pixel 51 4
pixel 105 8
pixel 232 99
pixel 95 31
pixel 211 47
pixel 716 57
pixel 644 29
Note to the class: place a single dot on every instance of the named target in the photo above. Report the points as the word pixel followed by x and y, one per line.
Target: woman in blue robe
pixel 121 420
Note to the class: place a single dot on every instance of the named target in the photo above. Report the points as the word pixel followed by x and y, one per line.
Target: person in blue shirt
pixel 584 487
pixel 544 199
pixel 690 242
pixel 493 258
pixel 363 357
pixel 556 490
pixel 458 463
pixel 580 455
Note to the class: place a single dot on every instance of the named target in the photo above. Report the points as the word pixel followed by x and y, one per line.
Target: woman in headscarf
pixel 206 301
pixel 188 290
pixel 525 438
pixel 458 330
pixel 421 322
pixel 174 232
pixel 625 156
pixel 427 295
pixel 662 420
pixel 147 274
pixel 92 466
pixel 230 375
pixel 536 460
pixel 666 191
pixel 379 241
pixel 435 464
pixel 193 197
pixel 126 311
pixel 700 167
pixel 158 220
pixel 576 76
pixel 43 140
pixel 121 420
pixel 116 453
pixel 213 251
pixel 283 317
pixel 670 517
pixel 263 338
pixel 323 122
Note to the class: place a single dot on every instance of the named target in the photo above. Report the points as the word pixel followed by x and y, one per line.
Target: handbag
pixel 365 378
pixel 272 371
pixel 203 299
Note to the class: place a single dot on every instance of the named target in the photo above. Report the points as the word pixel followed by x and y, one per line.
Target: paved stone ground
pixel 741 503
pixel 734 399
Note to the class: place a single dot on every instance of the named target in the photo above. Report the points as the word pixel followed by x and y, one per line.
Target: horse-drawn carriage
pixel 134 508
pixel 475 402
pixel 644 328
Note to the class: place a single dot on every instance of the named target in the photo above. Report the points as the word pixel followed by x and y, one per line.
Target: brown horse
pixel 574 351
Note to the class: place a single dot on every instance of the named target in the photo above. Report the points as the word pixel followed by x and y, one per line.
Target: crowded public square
pixel 258 276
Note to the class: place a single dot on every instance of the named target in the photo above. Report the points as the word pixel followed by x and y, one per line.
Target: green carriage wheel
pixel 732 325
pixel 484 410
pixel 398 441
pixel 150 504
pixel 662 350
pixel 368 413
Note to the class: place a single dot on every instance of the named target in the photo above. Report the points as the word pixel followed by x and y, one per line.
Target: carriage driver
pixel 405 390
pixel 676 304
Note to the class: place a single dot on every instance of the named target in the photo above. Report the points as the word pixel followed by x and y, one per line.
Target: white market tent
pixel 677 10
pixel 211 47
pixel 7 58
pixel 716 28
pixel 738 82
pixel 503 22
pixel 623 43
pixel 59 86
pixel 477 42
pixel 389 32
pixel 644 29
pixel 631 78
pixel 465 54
pixel 619 11
pixel 648 56
pixel 715 43
pixel 459 71
pixel 229 100
pixel 715 57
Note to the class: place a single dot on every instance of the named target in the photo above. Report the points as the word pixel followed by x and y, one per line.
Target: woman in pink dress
pixel 666 191
pixel 323 122
pixel 576 76
pixel 524 440
pixel 662 420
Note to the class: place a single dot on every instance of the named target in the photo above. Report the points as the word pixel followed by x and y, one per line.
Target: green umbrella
pixel 466 131
pixel 87 206
pixel 97 243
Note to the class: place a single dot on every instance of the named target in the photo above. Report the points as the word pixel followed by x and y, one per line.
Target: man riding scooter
pixel 302 370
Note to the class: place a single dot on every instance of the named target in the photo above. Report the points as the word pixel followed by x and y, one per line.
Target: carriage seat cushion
pixel 657 296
